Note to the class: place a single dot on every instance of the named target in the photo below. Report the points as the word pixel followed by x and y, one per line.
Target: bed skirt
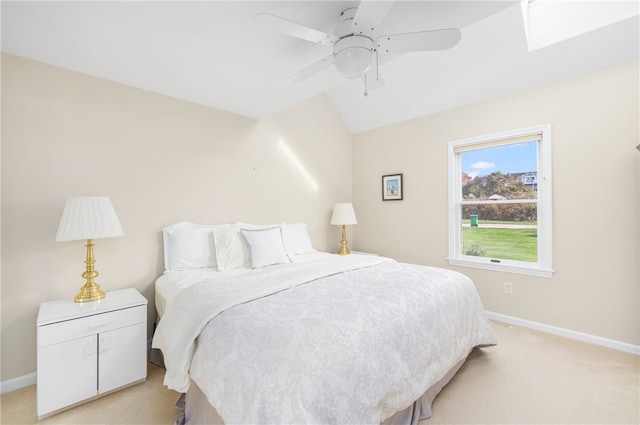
pixel 194 408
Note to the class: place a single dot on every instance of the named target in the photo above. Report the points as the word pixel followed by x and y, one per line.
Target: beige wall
pixel 595 128
pixel 160 160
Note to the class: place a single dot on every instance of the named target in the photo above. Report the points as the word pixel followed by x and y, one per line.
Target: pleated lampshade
pixel 88 217
pixel 343 213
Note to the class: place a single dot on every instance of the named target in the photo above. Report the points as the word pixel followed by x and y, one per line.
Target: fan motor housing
pixel 343 27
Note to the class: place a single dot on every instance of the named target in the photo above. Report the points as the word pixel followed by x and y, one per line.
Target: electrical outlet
pixel 508 288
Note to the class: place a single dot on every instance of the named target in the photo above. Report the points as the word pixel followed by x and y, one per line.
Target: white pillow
pixel 232 250
pixel 267 247
pixel 188 246
pixel 296 238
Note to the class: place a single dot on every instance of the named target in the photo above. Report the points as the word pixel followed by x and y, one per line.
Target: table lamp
pixel 343 214
pixel 88 217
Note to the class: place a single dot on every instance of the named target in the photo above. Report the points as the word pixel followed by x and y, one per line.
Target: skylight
pixel 551 21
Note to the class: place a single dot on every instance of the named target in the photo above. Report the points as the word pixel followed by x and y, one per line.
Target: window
pixel 500 201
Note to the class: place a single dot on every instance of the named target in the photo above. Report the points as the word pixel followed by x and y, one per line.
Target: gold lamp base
pixel 91 290
pixel 89 293
pixel 343 243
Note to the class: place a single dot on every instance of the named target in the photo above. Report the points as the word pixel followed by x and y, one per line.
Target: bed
pixel 264 329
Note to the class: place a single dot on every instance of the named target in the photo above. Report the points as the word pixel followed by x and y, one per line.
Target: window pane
pixel 500 173
pixel 500 231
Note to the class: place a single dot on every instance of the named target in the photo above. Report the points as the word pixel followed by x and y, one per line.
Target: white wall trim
pixel 17 383
pixel 567 333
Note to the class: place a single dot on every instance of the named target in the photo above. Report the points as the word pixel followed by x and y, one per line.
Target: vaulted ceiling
pixel 214 53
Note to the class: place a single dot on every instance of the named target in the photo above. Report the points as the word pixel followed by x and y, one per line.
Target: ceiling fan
pixel 356 42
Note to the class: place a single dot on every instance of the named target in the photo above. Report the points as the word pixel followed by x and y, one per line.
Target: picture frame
pixel 392 187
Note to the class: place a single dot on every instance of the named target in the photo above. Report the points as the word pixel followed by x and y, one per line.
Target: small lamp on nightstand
pixel 343 214
pixel 88 217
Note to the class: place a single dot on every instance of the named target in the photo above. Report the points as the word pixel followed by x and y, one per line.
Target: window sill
pixel 506 268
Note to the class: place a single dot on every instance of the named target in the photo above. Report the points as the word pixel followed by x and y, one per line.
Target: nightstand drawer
pixel 77 328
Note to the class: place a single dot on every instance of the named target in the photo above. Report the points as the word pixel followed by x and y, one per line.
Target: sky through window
pixel 508 159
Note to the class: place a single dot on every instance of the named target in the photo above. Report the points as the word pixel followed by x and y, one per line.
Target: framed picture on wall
pixel 392 189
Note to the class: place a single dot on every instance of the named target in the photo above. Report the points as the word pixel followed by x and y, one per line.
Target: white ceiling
pixel 214 54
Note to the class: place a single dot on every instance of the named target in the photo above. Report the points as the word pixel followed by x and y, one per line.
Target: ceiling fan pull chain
pixel 366 93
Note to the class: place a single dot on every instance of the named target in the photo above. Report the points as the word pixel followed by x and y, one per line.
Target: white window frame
pixel 543 267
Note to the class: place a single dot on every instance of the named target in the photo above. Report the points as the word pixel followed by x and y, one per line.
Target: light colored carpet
pixel 529 378
pixel 532 377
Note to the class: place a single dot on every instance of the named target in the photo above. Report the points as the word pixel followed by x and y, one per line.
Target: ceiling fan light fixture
pixel 353 55
pixel 353 61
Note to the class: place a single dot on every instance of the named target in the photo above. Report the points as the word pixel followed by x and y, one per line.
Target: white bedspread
pixel 363 340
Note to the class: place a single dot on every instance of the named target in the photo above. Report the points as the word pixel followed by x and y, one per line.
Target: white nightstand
pixel 364 253
pixel 86 350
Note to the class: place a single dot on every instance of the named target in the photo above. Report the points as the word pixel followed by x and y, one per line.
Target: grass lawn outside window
pixel 518 243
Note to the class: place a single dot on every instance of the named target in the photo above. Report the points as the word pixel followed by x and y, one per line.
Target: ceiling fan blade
pixel 293 29
pixel 419 41
pixel 311 70
pixel 369 16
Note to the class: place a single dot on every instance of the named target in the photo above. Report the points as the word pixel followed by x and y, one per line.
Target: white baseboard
pixel 17 383
pixel 567 333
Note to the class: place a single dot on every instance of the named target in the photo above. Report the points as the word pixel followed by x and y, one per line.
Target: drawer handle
pixel 104 344
pixel 90 348
pixel 94 326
